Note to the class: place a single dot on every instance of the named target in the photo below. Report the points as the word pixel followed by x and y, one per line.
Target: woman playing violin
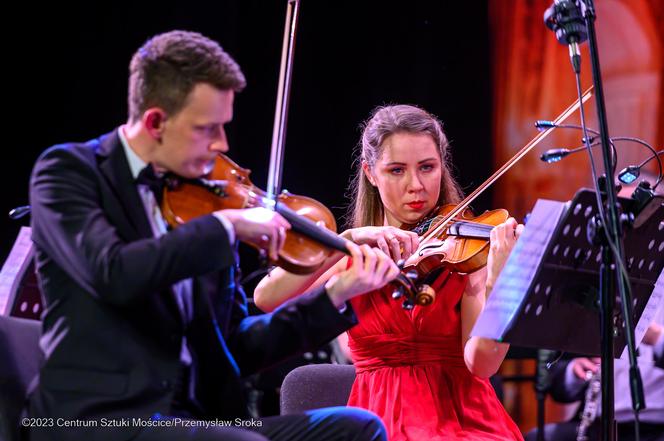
pixel 419 370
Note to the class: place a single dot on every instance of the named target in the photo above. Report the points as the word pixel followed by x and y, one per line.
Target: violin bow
pixel 283 99
pixel 502 170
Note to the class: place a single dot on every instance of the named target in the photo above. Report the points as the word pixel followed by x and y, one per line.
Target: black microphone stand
pixel 564 11
pixel 636 386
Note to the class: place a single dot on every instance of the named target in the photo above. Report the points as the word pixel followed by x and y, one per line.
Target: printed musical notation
pixel 655 302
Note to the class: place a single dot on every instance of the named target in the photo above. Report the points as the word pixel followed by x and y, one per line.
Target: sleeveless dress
pixel 411 371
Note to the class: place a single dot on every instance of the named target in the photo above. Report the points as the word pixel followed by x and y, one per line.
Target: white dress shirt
pixel 184 288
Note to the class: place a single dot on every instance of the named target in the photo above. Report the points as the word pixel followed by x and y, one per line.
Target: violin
pixel 466 247
pixel 310 241
pixel 453 238
pixel 463 246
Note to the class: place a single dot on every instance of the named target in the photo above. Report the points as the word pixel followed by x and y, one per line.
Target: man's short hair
pixel 166 68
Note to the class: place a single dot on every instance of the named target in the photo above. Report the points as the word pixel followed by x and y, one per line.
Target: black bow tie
pixel 155 183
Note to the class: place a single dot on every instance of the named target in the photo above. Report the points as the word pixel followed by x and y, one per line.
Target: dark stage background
pixel 66 73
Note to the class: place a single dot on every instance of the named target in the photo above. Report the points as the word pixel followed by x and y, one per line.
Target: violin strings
pixel 520 154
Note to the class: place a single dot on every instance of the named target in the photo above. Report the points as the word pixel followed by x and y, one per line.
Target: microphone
pixel 565 19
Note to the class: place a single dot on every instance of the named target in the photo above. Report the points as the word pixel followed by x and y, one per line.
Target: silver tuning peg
pixel 397 293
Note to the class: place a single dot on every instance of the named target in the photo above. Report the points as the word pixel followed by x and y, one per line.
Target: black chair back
pixel 316 385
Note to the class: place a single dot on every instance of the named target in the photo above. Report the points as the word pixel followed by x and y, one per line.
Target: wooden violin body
pixel 460 246
pixel 228 187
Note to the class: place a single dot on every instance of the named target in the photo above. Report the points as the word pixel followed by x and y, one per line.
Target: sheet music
pixel 520 269
pixel 655 302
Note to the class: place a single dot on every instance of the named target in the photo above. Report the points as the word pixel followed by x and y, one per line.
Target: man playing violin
pixel 145 330
pixel 420 370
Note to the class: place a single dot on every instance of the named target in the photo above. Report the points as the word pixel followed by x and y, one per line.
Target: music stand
pixel 547 294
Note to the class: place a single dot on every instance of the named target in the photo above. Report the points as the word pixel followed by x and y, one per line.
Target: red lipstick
pixel 416 205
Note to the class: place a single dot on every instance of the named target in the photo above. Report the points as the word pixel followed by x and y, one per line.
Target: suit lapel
pixel 115 168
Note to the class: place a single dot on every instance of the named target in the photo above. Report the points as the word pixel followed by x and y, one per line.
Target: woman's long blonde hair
pixel 366 208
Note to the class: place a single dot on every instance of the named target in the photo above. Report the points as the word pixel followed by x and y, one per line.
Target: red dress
pixel 411 372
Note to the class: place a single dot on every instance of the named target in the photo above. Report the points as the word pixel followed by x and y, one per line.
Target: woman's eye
pixel 396 170
pixel 426 167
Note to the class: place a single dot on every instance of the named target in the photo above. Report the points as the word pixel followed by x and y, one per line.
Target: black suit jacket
pixel 112 331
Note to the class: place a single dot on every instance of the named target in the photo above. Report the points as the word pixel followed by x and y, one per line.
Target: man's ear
pixel 367 172
pixel 153 121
